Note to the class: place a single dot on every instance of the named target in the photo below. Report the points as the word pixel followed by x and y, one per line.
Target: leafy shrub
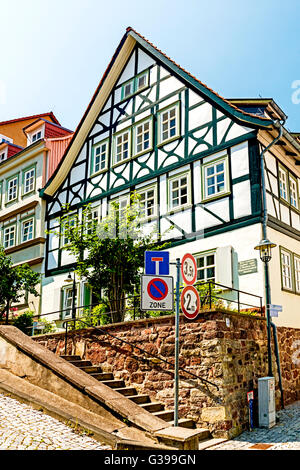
pixel 24 322
pixel 95 317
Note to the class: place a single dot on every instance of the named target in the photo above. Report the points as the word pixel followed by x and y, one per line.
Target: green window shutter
pixel 87 294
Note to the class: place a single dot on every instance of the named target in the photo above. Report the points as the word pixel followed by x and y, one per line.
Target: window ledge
pixel 121 163
pixel 92 175
pixel 179 209
pixel 165 142
pixel 215 197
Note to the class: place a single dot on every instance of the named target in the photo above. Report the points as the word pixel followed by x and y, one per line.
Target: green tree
pixel 14 281
pixel 109 254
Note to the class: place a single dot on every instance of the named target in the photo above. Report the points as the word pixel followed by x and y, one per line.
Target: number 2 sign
pixel 190 302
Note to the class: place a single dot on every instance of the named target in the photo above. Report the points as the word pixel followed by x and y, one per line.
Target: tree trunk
pixel 7 312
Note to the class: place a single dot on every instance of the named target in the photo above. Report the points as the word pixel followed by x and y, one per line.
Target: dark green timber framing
pixel 78 194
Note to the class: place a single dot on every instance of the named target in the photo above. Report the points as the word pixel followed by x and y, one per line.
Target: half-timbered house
pixel 194 157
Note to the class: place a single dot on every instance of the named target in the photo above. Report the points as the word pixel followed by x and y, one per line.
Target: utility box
pixel 266 402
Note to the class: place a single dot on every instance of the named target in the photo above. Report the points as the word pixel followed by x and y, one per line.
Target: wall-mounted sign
pixel 248 266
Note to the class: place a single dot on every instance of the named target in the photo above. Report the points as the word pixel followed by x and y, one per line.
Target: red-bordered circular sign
pixel 157 289
pixel 189 269
pixel 190 302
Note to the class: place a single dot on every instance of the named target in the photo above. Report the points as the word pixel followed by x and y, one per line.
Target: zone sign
pixel 189 269
pixel 157 293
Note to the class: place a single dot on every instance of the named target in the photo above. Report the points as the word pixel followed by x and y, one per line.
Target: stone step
pixel 152 407
pixel 103 376
pixel 208 443
pixel 91 369
pixel 127 391
pixel 71 358
pixel 184 423
pixel 81 363
pixel 165 415
pixel 139 399
pixel 114 383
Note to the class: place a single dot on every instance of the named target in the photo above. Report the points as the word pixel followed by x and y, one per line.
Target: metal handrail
pixel 134 347
pixel 208 297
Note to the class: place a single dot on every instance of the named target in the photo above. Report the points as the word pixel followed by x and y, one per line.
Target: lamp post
pixel 69 280
pixel 265 251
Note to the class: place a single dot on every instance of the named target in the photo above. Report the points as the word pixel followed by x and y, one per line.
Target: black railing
pixel 134 346
pixel 212 295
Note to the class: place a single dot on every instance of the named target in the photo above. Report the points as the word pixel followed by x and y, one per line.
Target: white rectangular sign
pixel 157 293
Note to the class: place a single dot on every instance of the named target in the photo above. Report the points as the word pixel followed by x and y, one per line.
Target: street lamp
pixel 265 247
pixel 265 252
pixel 69 280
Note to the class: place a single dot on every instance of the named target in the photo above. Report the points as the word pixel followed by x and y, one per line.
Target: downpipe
pixel 270 325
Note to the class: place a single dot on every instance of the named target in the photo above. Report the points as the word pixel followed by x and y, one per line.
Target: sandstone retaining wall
pixel 227 349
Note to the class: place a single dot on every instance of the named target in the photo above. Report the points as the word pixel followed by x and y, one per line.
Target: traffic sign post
pixel 176 376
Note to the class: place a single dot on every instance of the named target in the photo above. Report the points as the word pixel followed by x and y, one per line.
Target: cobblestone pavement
pixel 24 428
pixel 284 436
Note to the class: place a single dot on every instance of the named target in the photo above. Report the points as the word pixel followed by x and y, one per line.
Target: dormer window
pixel 36 136
pixel 2 156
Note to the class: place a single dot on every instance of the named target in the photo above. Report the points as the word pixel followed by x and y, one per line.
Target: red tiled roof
pixel 35 116
pixel 195 78
pixel 128 29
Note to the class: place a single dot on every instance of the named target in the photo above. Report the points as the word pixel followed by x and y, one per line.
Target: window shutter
pixel 224 266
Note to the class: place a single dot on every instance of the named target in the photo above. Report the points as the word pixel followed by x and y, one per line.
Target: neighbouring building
pixel 30 148
pixel 194 157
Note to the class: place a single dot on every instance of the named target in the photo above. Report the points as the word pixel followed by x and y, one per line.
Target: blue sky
pixel 54 52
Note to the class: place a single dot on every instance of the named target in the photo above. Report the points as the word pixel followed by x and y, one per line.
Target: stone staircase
pixel 144 401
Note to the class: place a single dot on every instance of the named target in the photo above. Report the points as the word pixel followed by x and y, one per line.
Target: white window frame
pixel 297 273
pixel 293 190
pixel 136 127
pixel 70 218
pixel 67 300
pixel 10 229
pixel 178 177
pixel 139 76
pixel 205 255
pixel 31 232
pixel 3 156
pixel 95 156
pixel 122 201
pixel 283 184
pixel 144 207
pixel 123 150
pixel 162 122
pixel 95 215
pixel 205 177
pixel 14 188
pixel 32 184
pixel 286 269
pixel 130 83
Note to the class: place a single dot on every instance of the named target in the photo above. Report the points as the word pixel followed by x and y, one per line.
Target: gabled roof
pixel 35 116
pixel 111 75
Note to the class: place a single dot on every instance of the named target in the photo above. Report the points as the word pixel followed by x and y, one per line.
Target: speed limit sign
pixel 190 302
pixel 189 269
